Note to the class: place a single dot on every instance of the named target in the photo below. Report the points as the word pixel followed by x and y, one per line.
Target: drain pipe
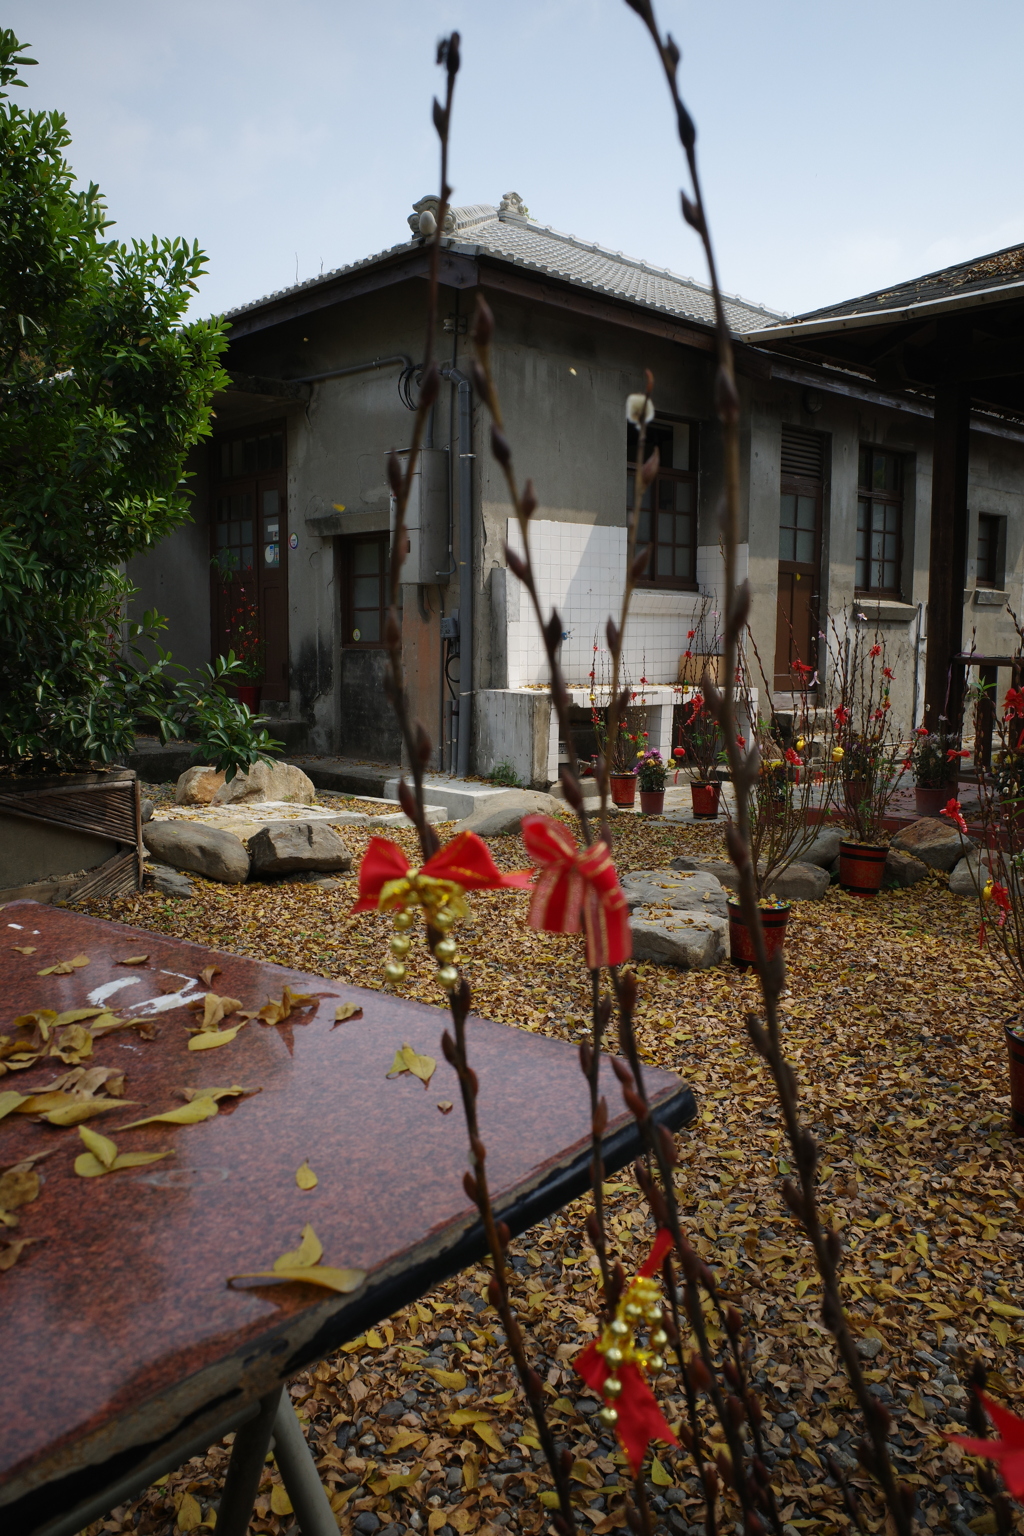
pixel 341 373
pixel 466 456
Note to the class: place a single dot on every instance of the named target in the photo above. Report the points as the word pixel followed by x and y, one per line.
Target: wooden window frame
pixel 888 498
pixel 993 579
pixel 651 579
pixel 347 551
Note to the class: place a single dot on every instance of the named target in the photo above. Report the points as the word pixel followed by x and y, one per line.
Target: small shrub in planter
pixel 652 771
pixel 934 760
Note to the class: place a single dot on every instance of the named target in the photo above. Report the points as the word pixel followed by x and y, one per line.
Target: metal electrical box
pixel 426 518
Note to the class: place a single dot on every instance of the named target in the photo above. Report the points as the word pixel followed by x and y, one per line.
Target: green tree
pixel 104 387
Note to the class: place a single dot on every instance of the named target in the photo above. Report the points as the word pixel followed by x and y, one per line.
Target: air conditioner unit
pixel 426 518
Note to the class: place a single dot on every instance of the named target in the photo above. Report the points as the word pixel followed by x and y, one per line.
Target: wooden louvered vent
pixel 802 453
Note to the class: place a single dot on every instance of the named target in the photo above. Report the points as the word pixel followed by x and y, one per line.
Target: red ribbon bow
pixel 577 888
pixel 465 861
pixel 1008 1452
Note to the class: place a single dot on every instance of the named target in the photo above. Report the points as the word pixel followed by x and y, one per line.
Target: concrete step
pixel 348 775
pixel 461 797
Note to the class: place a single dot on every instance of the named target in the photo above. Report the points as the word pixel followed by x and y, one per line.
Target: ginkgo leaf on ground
pixel 103 1157
pixel 659 1475
pixel 305 1178
pixel 408 1060
pixel 190 1513
pixel 215 1008
pixel 10 1253
pixel 280 1503
pixel 216 1094
pixel 207 974
pixel 101 1147
pixel 25 949
pixel 309 1251
pixel 133 960
pixel 347 1011
pixel 185 1114
pixel 275 1011
pixel 65 967
pixel 9 1101
pixel 75 1111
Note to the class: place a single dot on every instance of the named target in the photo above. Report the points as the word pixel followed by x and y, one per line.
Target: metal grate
pixel 803 453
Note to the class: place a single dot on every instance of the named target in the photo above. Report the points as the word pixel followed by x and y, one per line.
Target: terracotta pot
pixel 623 788
pixel 861 868
pixel 705 798
pixel 855 791
pixel 773 920
pixel 929 802
pixel 249 695
pixel 1015 1045
pixel 652 801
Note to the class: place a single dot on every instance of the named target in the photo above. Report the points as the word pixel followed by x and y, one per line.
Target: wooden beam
pixel 944 676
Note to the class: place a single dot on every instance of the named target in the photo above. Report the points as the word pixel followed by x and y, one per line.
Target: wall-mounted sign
pixel 293 541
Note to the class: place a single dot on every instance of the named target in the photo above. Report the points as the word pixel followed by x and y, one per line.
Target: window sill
pixel 885 610
pixel 990 597
pixel 654 602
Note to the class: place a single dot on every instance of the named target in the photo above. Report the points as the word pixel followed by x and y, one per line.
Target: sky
pixel 843 147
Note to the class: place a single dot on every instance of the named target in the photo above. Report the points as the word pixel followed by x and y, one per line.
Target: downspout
pixel 466 456
pixel 341 373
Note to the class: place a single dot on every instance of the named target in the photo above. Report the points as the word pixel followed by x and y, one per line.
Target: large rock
pixel 692 940
pixel 168 882
pixel 197 786
pixel 969 875
pixel 800 882
pixel 935 841
pixel 685 891
pixel 499 815
pixel 823 849
pixel 284 847
pixel 198 848
pixel 268 781
pixel 903 869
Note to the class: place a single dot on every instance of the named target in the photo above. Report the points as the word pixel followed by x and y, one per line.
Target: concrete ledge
pixel 460 797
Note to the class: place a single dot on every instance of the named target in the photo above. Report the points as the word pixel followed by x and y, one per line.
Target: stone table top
pixel 117 1326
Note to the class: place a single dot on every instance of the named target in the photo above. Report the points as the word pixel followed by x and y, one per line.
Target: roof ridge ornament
pixel 512 206
pixel 423 219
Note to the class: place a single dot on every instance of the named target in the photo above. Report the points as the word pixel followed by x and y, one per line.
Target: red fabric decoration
pixel 955 814
pixel 465 861
pixel 640 1419
pixel 1008 1452
pixel 656 1257
pixel 577 888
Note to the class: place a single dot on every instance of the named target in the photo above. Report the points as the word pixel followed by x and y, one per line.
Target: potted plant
pixel 652 772
pixel 774 918
pixel 245 643
pixel 934 761
pixel 628 746
pixel 869 754
pixel 700 745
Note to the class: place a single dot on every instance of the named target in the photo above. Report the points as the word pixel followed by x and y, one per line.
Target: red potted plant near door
pixel 935 761
pixel 700 746
pixel 243 629
pixel 869 754
pixel 652 772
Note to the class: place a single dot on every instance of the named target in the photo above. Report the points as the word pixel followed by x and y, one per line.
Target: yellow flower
pixel 838 754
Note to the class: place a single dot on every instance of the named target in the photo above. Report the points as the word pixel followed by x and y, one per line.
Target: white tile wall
pixel 580 570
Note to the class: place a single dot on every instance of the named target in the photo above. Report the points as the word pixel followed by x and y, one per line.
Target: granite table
pixel 123 1350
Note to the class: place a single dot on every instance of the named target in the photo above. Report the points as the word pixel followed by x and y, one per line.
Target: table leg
pixel 299 1475
pixel 248 1455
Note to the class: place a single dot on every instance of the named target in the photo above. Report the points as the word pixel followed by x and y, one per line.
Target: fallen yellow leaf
pixel 101 1147
pixel 402 1439
pixel 103 1156
pixel 453 1381
pixel 305 1178
pixel 9 1101
pixel 190 1514
pixel 133 960
pixel 215 1008
pixel 468 1416
pixel 408 1060
pixel 1004 1309
pixel 65 967
pixel 210 1039
pixel 216 1094
pixel 24 949
pixel 347 1011
pixel 186 1114
pixel 489 1435
pixel 78 1110
pixel 445 1106
pixel 280 1503
pixel 343 1280
pixel 309 1251
pixel 10 1253
pixel 18 1186
pixel 404 1479
pixel 659 1474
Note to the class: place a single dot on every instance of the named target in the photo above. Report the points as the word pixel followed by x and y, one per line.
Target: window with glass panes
pixel 668 512
pixel 237 532
pixel 988 551
pixel 879 521
pixel 365 589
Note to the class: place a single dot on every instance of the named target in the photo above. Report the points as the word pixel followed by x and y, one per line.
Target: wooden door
pixel 249 536
pixel 796 631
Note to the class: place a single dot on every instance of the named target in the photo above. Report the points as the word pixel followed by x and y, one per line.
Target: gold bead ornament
pixel 639 1306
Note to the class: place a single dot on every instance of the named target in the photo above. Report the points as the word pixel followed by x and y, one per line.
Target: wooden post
pixel 944 679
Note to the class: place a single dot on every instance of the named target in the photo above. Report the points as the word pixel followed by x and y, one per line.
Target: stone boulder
pixel 200 849
pixel 823 850
pixel 692 940
pixel 935 841
pixel 285 847
pixel 197 786
pixel 168 882
pixel 903 869
pixel 500 815
pixel 969 875
pixel 682 891
pixel 268 781
pixel 147 810
pixel 800 882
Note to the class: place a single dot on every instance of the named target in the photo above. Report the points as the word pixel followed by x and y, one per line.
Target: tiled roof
pixel 1006 266
pixel 514 237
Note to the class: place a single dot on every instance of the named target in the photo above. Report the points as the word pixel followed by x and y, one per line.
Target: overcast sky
pixel 844 146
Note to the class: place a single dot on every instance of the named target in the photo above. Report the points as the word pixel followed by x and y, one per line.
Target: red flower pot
pixel 623 788
pixel 652 801
pixel 705 798
pixel 930 802
pixel 861 868
pixel 249 695
pixel 773 921
pixel 1015 1045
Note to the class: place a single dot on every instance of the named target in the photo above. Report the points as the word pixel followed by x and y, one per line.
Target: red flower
pixel 841 714
pixel 951 753
pixel 888 672
pixel 955 814
pixel 741 742
pixel 690 634
pixel 577 888
pixel 643 679
pixel 793 757
pixel 1008 1452
pixel 922 730
pixel 1015 702
pixel 876 650
pixel 802 666
pixel 465 861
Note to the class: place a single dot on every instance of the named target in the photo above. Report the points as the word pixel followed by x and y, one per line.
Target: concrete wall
pixel 174 577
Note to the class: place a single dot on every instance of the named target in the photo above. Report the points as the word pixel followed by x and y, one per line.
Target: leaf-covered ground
pixel 893 1021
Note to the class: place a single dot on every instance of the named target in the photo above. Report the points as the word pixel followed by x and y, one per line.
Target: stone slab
pixel 681 891
pixel 694 941
pixel 284 847
pixel 935 841
pixel 502 815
